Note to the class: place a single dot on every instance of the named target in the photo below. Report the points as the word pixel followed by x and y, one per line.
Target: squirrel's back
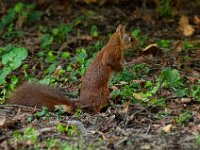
pixel 35 94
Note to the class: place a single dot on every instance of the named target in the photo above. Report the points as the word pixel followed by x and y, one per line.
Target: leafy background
pixel 156 96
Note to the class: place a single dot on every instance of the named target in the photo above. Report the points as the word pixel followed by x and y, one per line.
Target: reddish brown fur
pixel 34 94
pixel 95 84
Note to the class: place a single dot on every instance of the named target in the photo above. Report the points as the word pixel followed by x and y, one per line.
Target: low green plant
pixel 78 112
pixel 186 47
pixel 170 78
pixel 163 43
pixel 20 12
pixel 197 138
pixel 43 113
pixel 57 144
pixel 60 32
pixel 29 135
pixel 184 117
pixel 157 102
pixel 94 31
pixel 126 91
pixel 12 58
pixel 194 92
pixel 137 34
pixel 57 34
pixel 11 32
pixel 165 8
pixel 84 19
pixel 133 72
pixel 69 129
pixel 126 75
pixel 181 92
pixel 78 65
pixel 164 114
pixel 46 41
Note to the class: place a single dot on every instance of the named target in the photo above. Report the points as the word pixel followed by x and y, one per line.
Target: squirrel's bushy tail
pixel 35 94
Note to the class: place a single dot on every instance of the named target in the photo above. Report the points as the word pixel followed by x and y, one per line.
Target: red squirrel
pixel 94 92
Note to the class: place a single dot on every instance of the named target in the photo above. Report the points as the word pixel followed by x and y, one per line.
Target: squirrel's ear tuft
pixel 121 30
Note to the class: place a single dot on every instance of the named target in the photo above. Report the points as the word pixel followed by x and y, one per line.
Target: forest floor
pixel 155 102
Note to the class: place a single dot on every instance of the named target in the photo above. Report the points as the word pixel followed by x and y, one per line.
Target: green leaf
pixel 81 54
pixel 18 7
pixel 51 58
pixel 94 31
pixel 148 84
pixel 163 43
pixel 31 134
pixel 184 117
pixel 17 135
pixel 67 28
pixel 3 74
pixel 52 68
pixel 65 55
pixel 60 128
pixel 35 15
pixel 55 31
pixel 127 75
pixel 46 41
pixel 187 45
pixel 170 78
pixel 9 18
pixel 136 33
pixel 180 92
pixel 15 57
pixel 44 113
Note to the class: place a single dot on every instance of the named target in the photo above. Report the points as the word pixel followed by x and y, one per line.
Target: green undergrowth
pixel 59 59
pixel 30 137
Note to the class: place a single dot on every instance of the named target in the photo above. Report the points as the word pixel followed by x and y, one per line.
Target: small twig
pixel 48 129
pixel 121 141
pixel 26 108
pixel 149 127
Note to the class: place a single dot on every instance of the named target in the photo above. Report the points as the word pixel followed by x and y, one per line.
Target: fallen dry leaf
pixel 138 96
pixel 57 71
pixel 108 139
pixel 152 49
pixel 138 81
pixel 193 75
pixel 185 27
pixel 2 121
pixel 195 129
pixel 150 46
pixel 197 21
pixel 177 46
pixel 191 79
pixel 186 100
pixel 114 88
pixel 125 107
pixel 123 82
pixel 167 128
pixel 146 146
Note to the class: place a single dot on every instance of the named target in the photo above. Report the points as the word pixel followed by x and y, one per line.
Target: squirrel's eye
pixel 130 39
